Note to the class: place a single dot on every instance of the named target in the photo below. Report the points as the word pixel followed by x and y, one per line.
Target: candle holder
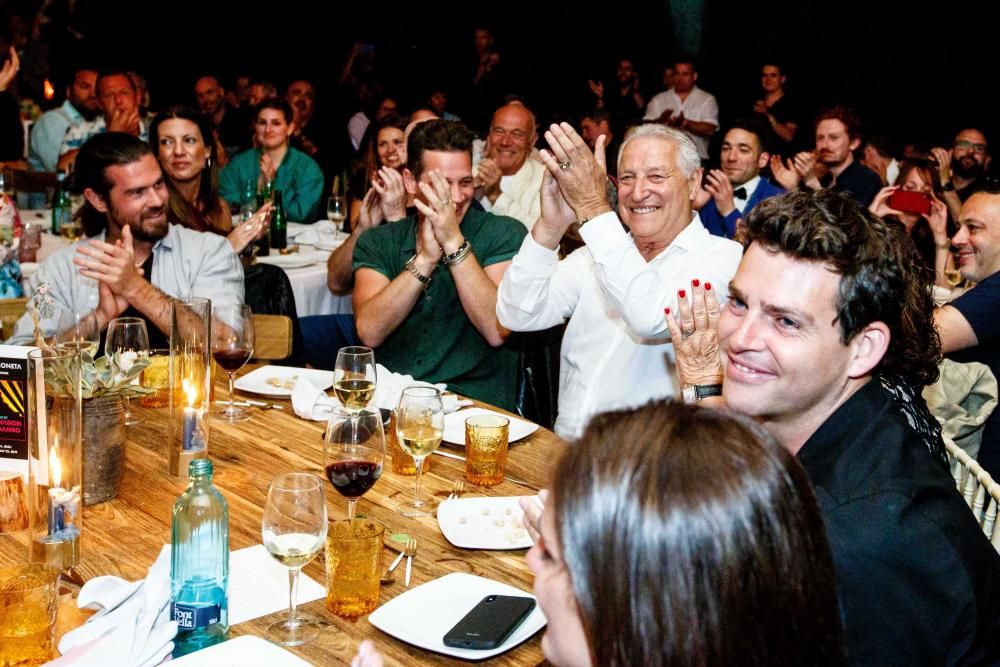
pixel 190 382
pixel 55 437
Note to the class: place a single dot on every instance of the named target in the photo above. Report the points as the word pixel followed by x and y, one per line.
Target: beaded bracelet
pixel 424 280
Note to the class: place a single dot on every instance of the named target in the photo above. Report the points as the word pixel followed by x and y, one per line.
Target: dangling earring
pixel 208 162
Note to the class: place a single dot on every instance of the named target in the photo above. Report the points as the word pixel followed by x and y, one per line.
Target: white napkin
pixel 132 626
pixel 311 402
pixel 316 231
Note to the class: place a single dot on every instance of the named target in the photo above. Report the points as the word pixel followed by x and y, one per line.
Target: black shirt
pixel 980 307
pixel 857 180
pixel 918 582
pixel 157 339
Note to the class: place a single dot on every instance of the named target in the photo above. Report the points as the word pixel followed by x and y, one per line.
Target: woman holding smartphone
pixel 656 549
pixel 914 202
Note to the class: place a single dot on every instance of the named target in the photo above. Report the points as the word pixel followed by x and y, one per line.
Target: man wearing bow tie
pixel 730 193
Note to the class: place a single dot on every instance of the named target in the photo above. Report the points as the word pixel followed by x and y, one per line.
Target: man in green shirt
pixel 273 160
pixel 425 287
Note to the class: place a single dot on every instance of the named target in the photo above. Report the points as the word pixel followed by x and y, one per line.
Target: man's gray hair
pixel 687 152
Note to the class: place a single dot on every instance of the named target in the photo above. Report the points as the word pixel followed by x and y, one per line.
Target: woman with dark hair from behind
pixel 185 146
pixel 678 535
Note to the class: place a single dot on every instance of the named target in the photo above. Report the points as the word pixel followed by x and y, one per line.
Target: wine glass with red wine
pixel 232 347
pixel 353 452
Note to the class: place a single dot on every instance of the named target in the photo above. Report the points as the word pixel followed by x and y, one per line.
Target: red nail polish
pixel 666 311
pixel 695 282
pixel 708 286
pixel 680 293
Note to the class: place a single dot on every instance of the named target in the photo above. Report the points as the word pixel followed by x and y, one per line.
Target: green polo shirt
pixel 437 342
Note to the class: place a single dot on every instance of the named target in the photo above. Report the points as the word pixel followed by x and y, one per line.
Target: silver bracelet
pixel 459 255
pixel 424 280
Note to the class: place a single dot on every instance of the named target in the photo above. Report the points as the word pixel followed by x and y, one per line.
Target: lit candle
pixel 57 520
pixel 190 417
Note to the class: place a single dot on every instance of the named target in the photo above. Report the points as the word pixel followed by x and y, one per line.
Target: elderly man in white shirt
pixel 509 177
pixel 616 351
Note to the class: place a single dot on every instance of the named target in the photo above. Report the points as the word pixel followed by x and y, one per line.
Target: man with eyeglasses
pixel 509 178
pixel 963 169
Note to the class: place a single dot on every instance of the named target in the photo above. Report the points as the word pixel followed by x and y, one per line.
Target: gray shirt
pixel 188 263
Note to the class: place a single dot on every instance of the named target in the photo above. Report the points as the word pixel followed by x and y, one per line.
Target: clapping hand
pixel 388 185
pixel 581 175
pixel 111 263
pixel 439 210
pixel 721 189
pixel 9 69
pixel 488 174
pixel 805 164
pixel 371 211
pixel 267 170
pixel 243 234
pixel 784 173
pixel 694 331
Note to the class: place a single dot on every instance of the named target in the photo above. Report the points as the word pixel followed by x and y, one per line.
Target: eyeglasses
pixel 968 145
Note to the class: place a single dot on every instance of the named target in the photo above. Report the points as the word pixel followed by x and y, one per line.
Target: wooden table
pixel 124 535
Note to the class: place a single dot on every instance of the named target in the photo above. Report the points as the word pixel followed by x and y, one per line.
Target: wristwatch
pixel 695 392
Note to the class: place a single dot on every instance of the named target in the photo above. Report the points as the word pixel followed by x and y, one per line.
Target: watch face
pixel 689 395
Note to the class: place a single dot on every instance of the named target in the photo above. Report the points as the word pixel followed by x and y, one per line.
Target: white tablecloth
pixel 308 282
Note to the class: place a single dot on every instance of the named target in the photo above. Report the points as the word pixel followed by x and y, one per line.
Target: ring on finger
pixel 687 334
pixel 564 165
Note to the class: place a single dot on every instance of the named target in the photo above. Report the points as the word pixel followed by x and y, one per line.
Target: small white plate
pixel 454 426
pixel 330 242
pixel 423 615
pixel 280 380
pixel 293 260
pixel 484 523
pixel 245 651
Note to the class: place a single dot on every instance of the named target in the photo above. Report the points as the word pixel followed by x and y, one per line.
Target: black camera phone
pixel 490 622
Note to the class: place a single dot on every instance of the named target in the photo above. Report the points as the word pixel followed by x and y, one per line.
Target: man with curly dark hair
pixel 826 339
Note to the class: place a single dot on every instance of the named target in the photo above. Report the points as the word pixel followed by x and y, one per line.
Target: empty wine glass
pixel 232 347
pixel 354 377
pixel 78 332
pixel 419 427
pixel 127 342
pixel 353 452
pixel 294 531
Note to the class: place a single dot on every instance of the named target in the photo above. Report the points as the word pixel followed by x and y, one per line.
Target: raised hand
pixel 244 234
pixel 533 506
pixel 9 69
pixel 694 331
pixel 596 87
pixel 388 185
pixel 937 220
pixel 267 170
pixel 440 211
pixel 111 264
pixel 718 185
pixel 943 158
pixel 784 173
pixel 581 175
pixel 880 205
pixel 371 211
pixel 488 174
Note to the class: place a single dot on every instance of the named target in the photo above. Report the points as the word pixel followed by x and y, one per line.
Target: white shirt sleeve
pixel 538 291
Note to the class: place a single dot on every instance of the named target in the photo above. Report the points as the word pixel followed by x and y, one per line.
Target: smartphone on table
pixel 490 622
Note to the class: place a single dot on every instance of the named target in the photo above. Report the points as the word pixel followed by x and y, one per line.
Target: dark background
pixel 912 73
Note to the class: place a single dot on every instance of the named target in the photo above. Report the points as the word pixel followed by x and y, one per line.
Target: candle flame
pixel 191 391
pixel 55 467
pixel 50 90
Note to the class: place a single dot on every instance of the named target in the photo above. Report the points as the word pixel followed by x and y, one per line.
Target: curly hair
pixel 883 278
pixel 686 555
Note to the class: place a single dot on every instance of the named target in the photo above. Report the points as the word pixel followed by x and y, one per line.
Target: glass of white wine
pixel 354 377
pixel 336 211
pixel 78 332
pixel 419 427
pixel 294 531
pixel 127 341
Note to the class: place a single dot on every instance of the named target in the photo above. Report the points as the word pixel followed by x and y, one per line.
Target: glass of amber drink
pixel 486 448
pixel 28 598
pixel 156 376
pixel 353 566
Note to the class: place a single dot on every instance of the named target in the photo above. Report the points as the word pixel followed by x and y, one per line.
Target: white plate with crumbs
pixel 280 380
pixel 484 523
pixel 245 651
pixel 293 260
pixel 454 426
pixel 423 615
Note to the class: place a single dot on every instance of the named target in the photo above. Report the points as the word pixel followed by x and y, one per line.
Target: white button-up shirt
pixel 698 106
pixel 520 194
pixel 616 352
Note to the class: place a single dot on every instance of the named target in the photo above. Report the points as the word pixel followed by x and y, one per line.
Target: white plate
pixel 484 523
pixel 454 426
pixel 330 242
pixel 294 260
pixel 257 382
pixel 245 651
pixel 423 615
